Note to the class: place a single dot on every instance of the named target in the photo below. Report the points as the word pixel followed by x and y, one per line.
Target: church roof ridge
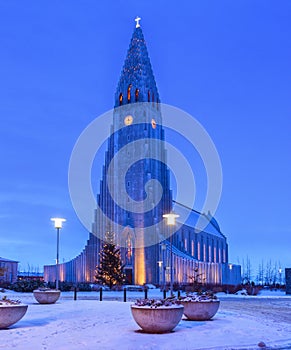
pixel 212 221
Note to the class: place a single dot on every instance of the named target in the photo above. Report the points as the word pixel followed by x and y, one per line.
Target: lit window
pixel 129 93
pixel 198 251
pixel 120 99
pixel 136 95
pixel 128 250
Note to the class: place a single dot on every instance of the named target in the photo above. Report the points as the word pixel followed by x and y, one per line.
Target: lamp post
pixel 58 225
pixel 160 263
pixel 171 221
pixel 163 246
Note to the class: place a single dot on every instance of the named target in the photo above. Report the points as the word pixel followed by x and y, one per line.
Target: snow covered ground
pixel 242 322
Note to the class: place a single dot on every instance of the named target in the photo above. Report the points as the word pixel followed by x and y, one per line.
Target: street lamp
pixel 280 276
pixel 171 221
pixel 58 225
pixel 164 247
pixel 160 263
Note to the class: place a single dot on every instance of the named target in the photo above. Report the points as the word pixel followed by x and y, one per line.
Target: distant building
pixel 26 275
pixel 8 270
pixel 199 253
pixel 288 280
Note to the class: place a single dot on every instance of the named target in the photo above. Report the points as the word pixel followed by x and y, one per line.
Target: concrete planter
pixel 200 310
pixel 10 314
pixel 49 296
pixel 162 319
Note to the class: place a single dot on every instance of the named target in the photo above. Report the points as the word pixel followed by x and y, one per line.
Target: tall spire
pixel 137 82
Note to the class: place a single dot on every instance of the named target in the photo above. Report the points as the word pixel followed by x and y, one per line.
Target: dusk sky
pixel 227 63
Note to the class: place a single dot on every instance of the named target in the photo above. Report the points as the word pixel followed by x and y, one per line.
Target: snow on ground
pixel 241 323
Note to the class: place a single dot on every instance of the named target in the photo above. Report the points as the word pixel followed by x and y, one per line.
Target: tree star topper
pixel 137 22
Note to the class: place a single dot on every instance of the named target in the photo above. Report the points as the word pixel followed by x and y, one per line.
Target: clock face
pixel 154 124
pixel 128 120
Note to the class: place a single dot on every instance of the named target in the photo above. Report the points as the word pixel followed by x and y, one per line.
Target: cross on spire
pixel 137 22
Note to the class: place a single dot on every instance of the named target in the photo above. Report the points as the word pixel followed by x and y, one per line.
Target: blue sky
pixel 227 63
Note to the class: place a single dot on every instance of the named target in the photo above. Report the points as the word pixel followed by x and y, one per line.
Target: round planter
pixel 200 310
pixel 162 319
pixel 47 296
pixel 10 314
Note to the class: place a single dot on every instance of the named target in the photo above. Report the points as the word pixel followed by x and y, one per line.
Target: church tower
pixel 135 194
pixel 135 190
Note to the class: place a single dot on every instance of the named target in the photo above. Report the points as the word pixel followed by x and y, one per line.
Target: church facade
pixel 135 194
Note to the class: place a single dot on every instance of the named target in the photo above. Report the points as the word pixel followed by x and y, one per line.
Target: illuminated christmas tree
pixel 110 270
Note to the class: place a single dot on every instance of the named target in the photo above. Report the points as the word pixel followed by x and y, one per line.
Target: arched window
pixel 153 97
pixel 149 96
pixel 120 99
pixel 129 93
pixel 136 95
pixel 198 251
pixel 128 253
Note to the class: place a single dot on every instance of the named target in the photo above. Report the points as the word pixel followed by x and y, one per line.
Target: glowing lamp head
pixel 230 266
pixel 171 218
pixel 58 222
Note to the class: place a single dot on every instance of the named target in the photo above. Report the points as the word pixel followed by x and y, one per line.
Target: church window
pixel 153 97
pixel 198 251
pixel 149 96
pixel 128 257
pixel 129 93
pixel 120 99
pixel 136 95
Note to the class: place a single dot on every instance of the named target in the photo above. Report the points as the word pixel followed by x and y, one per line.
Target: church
pixel 135 201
